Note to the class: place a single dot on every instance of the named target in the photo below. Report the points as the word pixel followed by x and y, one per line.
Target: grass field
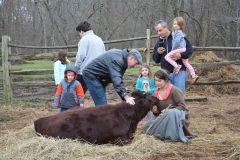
pixel 32 65
pixel 35 65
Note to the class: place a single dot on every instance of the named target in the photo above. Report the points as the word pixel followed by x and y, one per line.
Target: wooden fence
pixel 7 56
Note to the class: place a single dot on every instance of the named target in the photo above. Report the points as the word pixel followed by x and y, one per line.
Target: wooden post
pixel 7 90
pixel 148 47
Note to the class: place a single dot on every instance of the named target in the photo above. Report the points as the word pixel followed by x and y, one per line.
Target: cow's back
pixel 101 125
pixel 88 123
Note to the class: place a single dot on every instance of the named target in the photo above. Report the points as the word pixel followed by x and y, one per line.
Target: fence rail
pixel 7 72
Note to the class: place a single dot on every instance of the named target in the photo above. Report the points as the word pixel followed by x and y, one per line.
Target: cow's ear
pixel 150 101
pixel 140 102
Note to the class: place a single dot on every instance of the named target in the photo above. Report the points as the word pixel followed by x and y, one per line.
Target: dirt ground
pixel 212 120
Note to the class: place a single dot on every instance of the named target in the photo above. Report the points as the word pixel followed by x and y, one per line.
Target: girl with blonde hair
pixel 179 46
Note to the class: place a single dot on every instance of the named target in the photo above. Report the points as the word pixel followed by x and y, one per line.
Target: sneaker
pixel 177 70
pixel 194 80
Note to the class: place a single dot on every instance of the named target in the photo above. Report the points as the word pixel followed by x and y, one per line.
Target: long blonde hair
pixel 181 23
pixel 150 75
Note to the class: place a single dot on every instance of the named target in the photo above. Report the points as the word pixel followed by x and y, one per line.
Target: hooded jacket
pixel 159 58
pixel 69 94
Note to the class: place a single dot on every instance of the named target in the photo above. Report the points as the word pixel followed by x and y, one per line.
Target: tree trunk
pixel 194 27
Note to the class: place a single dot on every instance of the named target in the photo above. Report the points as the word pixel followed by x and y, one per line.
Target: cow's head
pixel 137 94
pixel 144 99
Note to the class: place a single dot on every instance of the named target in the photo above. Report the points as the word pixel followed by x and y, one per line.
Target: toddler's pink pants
pixel 185 61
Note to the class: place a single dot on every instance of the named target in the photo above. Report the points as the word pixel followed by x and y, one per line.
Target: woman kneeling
pixel 171 117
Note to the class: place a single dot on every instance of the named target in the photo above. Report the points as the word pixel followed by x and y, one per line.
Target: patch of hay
pixel 209 74
pixel 215 123
pixel 25 144
pixel 205 57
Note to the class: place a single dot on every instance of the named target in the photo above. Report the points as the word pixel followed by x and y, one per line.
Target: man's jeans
pixel 179 80
pixel 97 91
pixel 63 109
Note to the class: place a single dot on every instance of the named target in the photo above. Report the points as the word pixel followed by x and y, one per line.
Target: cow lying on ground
pixel 108 123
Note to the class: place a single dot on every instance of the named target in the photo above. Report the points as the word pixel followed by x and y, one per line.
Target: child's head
pixel 70 76
pixel 145 71
pixel 178 23
pixel 62 56
pixel 70 73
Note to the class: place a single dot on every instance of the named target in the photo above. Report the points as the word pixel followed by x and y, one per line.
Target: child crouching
pixel 69 92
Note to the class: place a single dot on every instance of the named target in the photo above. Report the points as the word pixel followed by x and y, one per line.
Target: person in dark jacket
pixel 163 47
pixel 110 68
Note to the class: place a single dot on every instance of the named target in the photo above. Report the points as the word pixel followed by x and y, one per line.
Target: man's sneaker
pixel 177 70
pixel 194 80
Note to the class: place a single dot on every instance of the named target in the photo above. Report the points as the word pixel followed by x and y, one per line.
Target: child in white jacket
pixel 60 64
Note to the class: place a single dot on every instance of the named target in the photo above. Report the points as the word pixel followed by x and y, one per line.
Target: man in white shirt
pixel 90 46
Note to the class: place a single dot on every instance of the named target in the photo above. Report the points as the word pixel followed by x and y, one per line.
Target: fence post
pixel 148 47
pixel 7 90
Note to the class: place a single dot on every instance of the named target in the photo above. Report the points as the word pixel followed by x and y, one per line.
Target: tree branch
pixel 95 10
pixel 192 18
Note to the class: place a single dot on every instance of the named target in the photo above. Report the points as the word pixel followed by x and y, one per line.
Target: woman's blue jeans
pixel 97 91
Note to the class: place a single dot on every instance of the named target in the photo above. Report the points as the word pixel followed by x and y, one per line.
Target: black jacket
pixel 109 67
pixel 159 58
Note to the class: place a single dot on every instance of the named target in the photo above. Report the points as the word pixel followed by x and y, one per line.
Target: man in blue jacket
pixel 163 47
pixel 110 68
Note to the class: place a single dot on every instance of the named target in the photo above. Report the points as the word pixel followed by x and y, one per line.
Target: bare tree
pixel 53 22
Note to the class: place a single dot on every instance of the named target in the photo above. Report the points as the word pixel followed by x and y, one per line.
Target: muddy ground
pixel 212 120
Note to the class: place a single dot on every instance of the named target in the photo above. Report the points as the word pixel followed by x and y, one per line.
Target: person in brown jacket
pixel 171 117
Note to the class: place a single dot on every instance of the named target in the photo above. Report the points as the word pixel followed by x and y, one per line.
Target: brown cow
pixel 108 123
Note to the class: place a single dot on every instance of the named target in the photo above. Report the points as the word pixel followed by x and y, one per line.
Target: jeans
pixel 179 80
pixel 63 109
pixel 97 91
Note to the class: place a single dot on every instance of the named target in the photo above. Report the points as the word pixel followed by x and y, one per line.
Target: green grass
pixel 135 71
pixel 31 65
pixel 34 65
